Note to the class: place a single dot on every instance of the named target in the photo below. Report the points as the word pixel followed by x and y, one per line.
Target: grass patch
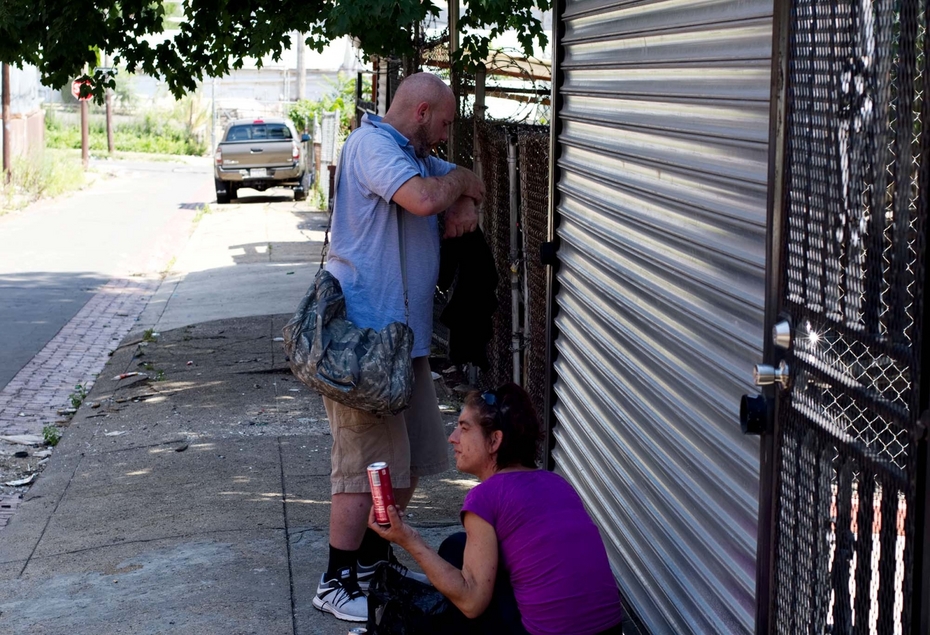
pixel 149 135
pixel 40 175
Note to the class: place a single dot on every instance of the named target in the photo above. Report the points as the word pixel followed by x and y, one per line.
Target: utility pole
pixel 301 67
pixel 85 141
pixel 85 149
pixel 7 170
pixel 109 104
pixel 212 114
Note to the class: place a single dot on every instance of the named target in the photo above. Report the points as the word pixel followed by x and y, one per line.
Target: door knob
pixel 765 375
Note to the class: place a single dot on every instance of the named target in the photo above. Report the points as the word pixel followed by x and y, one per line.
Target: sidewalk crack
pixel 287 539
pixel 48 521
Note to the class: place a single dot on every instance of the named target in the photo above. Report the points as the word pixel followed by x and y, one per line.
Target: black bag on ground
pixel 400 606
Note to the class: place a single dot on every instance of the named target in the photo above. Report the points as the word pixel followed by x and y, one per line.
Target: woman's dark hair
pixel 509 410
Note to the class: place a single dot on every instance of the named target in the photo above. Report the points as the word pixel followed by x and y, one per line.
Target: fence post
pixel 515 341
pixel 477 119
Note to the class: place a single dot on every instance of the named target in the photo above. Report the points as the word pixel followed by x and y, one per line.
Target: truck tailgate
pixel 258 154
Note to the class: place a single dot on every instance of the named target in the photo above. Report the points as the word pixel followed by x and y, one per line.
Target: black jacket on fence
pixel 467 262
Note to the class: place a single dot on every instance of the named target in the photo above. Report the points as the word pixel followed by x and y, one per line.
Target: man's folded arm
pixel 427 196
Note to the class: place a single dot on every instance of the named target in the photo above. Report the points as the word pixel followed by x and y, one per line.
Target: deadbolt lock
pixel 781 334
pixel 765 375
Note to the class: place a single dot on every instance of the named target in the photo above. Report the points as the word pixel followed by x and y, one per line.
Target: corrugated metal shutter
pixel 662 219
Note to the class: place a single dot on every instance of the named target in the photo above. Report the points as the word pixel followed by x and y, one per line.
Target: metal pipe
pixel 552 282
pixel 479 114
pixel 515 341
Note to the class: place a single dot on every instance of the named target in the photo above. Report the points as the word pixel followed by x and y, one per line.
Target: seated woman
pixel 527 535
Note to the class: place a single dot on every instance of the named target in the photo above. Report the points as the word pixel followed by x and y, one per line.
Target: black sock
pixel 374 549
pixel 340 559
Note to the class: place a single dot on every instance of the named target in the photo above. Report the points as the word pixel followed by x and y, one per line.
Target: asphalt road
pixel 56 254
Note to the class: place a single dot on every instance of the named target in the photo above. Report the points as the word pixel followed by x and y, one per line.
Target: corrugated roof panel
pixel 662 221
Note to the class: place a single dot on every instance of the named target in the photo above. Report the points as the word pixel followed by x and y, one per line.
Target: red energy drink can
pixel 382 492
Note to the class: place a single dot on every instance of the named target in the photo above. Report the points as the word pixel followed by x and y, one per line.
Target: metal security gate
pixel 661 127
pixel 846 543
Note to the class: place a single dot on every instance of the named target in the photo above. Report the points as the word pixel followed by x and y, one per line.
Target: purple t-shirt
pixel 555 556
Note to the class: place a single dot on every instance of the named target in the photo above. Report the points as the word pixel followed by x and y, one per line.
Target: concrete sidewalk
pixel 194 497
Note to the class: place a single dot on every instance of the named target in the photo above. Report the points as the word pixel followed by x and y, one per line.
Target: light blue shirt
pixel 364 252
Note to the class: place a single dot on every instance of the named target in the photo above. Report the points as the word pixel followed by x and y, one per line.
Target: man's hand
pixel 461 218
pixel 472 186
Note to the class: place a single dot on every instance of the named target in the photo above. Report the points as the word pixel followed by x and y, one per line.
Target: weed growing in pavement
pixel 170 265
pixel 147 365
pixel 204 210
pixel 316 199
pixel 149 335
pixel 51 435
pixel 160 375
pixel 78 396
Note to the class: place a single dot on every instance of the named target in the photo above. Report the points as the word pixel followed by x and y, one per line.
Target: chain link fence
pixel 532 189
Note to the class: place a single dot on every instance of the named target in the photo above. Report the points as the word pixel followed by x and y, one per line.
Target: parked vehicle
pixel 258 154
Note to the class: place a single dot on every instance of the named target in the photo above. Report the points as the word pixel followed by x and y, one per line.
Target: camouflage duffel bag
pixel 360 367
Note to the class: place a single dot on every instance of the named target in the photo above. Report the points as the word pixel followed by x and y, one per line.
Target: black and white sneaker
pixel 342 597
pixel 367 572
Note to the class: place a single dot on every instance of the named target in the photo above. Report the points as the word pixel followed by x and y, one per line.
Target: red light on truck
pixel 218 156
pixel 259 121
pixel 295 152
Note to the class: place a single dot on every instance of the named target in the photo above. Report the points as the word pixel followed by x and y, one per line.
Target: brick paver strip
pixel 74 356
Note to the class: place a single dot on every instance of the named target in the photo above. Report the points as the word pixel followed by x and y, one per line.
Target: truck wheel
pixel 300 192
pixel 222 192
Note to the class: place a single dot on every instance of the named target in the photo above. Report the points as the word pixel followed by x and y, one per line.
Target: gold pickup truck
pixel 258 154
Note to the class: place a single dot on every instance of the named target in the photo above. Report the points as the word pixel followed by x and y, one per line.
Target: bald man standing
pixel 387 161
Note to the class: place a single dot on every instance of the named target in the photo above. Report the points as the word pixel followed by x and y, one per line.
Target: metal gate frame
pixel 777 217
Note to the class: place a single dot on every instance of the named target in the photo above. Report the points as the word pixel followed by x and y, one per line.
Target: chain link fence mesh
pixel 532 154
pixel 533 147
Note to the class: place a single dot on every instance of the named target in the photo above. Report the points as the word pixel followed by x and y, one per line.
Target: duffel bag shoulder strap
pixel 403 259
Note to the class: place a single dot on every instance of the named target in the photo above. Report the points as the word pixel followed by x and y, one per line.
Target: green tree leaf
pixel 64 37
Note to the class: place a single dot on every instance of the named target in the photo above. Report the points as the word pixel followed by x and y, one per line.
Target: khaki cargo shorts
pixel 413 443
